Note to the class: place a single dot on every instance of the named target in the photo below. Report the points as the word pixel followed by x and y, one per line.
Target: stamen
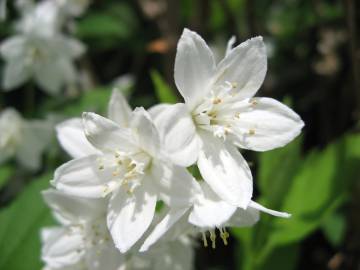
pixel 224 235
pixel 237 115
pixel 204 239
pixel 234 84
pixel 216 100
pixel 253 101
pixel 213 239
pixel 251 131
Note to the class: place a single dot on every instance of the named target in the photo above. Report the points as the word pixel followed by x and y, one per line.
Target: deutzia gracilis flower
pixel 22 139
pixel 73 7
pixel 208 213
pixel 127 166
pixel 220 114
pixel 40 52
pixel 83 241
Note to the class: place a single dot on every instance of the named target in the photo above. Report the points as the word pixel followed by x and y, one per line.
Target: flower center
pixel 219 113
pixel 126 170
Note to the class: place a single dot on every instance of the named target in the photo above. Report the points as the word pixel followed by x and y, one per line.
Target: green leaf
pixel 5 172
pixel 334 229
pixel 162 89
pixel 276 169
pixel 20 226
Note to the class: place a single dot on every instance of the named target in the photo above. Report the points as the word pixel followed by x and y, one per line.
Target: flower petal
pixel 165 224
pixel 82 177
pixel 178 133
pixel 37 136
pixel 225 170
pixel 61 247
pixel 209 210
pixel 15 74
pixel 174 184
pixel 71 136
pixel 147 134
pixel 106 135
pixel 194 67
pixel 119 110
pixel 261 208
pixel 72 208
pixel 244 67
pixel 13 47
pixel 244 217
pixel 265 124
pixel 129 216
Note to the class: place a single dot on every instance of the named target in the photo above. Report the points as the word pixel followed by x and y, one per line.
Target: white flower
pixel 83 241
pixel 220 114
pixel 208 212
pixel 73 7
pixel 127 166
pixel 40 52
pixel 22 139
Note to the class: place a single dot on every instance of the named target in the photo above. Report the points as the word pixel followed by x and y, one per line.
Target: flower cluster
pixel 40 50
pixel 131 163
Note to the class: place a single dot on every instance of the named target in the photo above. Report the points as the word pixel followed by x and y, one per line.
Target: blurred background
pixel 313 49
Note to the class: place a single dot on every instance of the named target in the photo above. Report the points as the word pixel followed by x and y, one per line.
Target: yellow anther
pixel 234 84
pixel 253 101
pixel 252 132
pixel 216 100
pixel 101 167
pixel 224 236
pixel 115 173
pixel 237 115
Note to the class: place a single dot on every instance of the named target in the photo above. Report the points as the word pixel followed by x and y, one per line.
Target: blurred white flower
pixel 220 114
pixel 83 241
pixel 38 51
pixel 73 7
pixel 126 163
pixel 22 139
pixel 207 213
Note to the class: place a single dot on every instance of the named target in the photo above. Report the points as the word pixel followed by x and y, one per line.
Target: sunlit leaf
pixel 162 89
pixel 20 225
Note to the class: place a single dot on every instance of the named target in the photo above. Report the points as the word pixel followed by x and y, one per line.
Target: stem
pixel 351 6
pixel 30 99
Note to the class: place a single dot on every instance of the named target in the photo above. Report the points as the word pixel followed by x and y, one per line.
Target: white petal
pixel 130 215
pixel 119 109
pixel 178 133
pixel 48 74
pixel 37 136
pixel 62 247
pixel 15 74
pixel 244 217
pixel 225 170
pixel 209 210
pixel 244 66
pixel 144 127
pixel 265 124
pixel 261 208
pixel 168 221
pixel 72 208
pixel 194 67
pixel 12 47
pixel 107 257
pixel 106 135
pixel 71 136
pixel 230 45
pixel 174 184
pixel 82 177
